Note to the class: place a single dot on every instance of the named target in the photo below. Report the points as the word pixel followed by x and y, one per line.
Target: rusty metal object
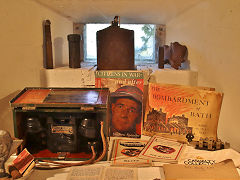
pixel 47 45
pixel 115 48
pixel 211 144
pixel 174 54
pixel 74 50
pixel 166 54
pixel 161 58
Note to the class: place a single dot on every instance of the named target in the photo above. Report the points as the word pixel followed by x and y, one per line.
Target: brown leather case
pixel 115 49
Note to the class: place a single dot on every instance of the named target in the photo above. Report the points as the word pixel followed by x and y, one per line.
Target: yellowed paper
pixel 175 110
pixel 221 171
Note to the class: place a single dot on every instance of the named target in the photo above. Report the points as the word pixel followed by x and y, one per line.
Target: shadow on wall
pixel 6 118
pixel 58 51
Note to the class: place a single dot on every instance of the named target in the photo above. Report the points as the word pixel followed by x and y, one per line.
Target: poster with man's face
pixel 126 95
pixel 126 112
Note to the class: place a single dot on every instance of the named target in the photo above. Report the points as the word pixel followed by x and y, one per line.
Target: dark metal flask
pixel 74 50
pixel 115 49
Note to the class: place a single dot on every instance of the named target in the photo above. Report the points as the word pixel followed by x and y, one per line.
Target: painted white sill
pixel 84 77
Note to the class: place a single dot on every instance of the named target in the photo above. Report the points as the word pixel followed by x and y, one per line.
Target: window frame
pixel 160 38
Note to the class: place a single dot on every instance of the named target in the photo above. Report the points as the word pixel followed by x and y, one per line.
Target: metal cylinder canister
pixel 47 44
pixel 74 50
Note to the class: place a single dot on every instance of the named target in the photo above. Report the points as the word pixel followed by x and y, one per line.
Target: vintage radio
pixel 59 123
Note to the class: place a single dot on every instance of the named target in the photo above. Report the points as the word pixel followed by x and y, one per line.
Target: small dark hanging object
pixel 48 57
pixel 74 50
pixel 116 21
pixel 174 54
pixel 115 48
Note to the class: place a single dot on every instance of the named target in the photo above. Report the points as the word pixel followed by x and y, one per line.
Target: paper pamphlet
pixel 125 153
pixel 223 170
pixel 162 149
pixel 173 111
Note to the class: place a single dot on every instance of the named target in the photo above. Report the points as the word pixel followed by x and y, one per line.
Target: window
pixel 144 41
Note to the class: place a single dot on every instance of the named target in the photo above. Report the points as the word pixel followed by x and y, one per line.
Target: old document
pixel 85 173
pixel 102 173
pixel 113 173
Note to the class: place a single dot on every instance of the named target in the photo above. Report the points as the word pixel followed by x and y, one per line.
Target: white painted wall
pixel 21 39
pixel 211 31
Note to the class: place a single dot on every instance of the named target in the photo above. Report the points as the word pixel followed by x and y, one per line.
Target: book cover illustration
pixel 125 148
pixel 126 101
pixel 125 153
pixel 162 149
pixel 175 110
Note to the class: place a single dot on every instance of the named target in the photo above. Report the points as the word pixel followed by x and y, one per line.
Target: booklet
pixel 125 153
pixel 24 162
pixel 162 149
pixel 126 100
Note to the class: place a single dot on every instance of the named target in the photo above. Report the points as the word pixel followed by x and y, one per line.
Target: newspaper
pixel 101 172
